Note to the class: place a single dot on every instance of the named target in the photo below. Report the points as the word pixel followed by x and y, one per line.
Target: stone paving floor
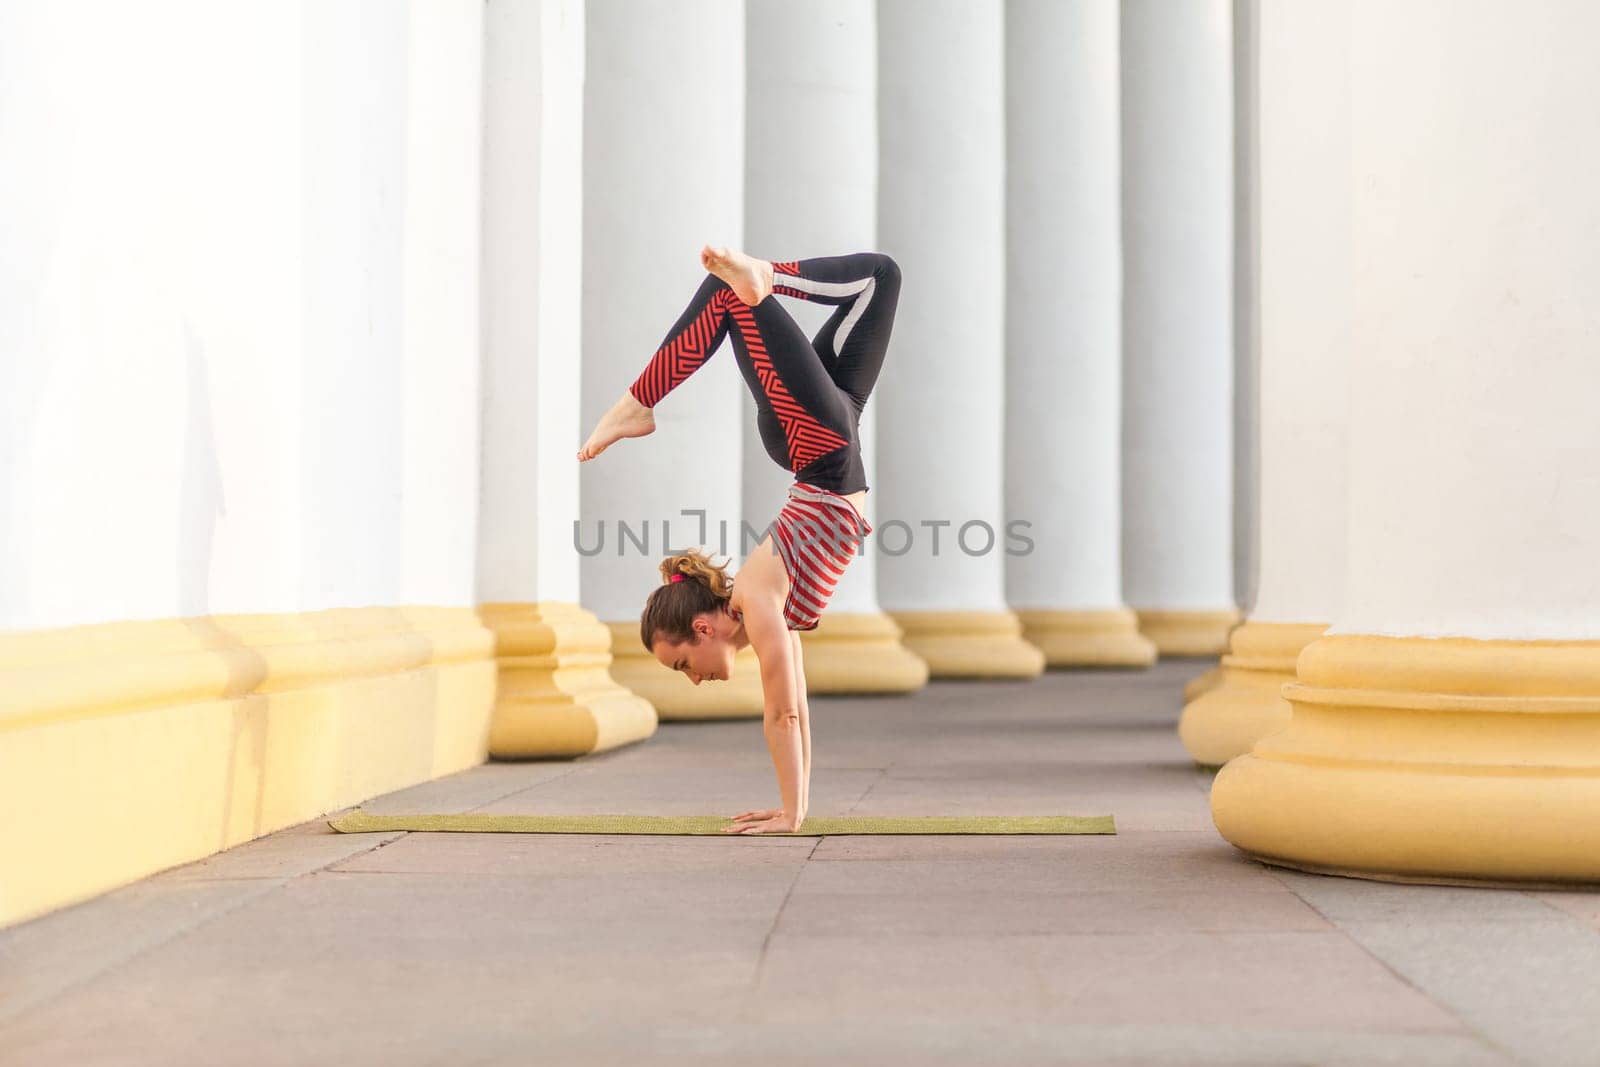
pixel 1161 944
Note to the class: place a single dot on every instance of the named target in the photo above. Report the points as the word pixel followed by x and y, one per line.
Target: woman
pixel 809 397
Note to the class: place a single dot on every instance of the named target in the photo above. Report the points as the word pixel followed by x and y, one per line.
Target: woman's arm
pixel 805 721
pixel 769 637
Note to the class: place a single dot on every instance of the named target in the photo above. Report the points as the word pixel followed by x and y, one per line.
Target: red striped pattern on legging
pixel 817 533
pixel 683 354
pixel 807 438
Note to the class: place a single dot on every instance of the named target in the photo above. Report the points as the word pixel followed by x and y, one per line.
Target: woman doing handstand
pixel 809 397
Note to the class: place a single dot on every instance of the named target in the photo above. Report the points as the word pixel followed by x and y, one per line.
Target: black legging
pixel 809 394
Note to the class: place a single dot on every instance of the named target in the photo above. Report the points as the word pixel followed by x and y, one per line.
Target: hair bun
pixel 692 563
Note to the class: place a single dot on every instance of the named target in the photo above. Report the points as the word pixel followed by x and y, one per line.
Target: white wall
pixel 238 323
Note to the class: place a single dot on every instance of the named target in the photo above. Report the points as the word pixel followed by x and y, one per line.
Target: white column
pixel 1476 366
pixel 1246 307
pixel 442 294
pixel 811 171
pixel 352 399
pixel 663 175
pixel 1064 332
pixel 942 532
pixel 1448 725
pixel 528 564
pixel 532 288
pixel 1177 210
pixel 1304 205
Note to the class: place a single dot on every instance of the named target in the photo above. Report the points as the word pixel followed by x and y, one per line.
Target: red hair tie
pixel 676 578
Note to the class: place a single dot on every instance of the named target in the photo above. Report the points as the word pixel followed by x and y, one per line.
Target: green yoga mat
pixel 359 822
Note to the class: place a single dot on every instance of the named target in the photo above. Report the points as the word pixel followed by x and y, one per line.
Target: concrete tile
pixel 1035 743
pixel 1580 904
pixel 983 911
pixel 372 954
pixel 985 978
pixel 1078 868
pixel 487 912
pixel 471 789
pixel 279 856
pixel 965 1042
pixel 1035 774
pixel 287 1001
pixel 41 959
pixel 535 1037
pixel 1277 980
pixel 493 918
pixel 1531 987
pixel 1347 900
pixel 556 855
pixel 1124 862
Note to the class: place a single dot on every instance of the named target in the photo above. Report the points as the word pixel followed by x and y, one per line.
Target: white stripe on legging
pixel 865 286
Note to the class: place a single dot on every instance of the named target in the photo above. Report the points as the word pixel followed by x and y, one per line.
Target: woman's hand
pixel 770 813
pixel 774 821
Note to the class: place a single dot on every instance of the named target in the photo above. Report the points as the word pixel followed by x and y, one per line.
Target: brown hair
pixel 670 611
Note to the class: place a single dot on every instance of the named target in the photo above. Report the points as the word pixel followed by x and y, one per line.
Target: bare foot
pixel 627 418
pixel 750 278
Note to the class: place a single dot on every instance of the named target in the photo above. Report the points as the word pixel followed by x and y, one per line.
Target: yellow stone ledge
pixel 1188 633
pixel 127 748
pixel 860 652
pixel 1108 638
pixel 556 696
pixel 970 644
pixel 1437 760
pixel 1246 702
pixel 1199 686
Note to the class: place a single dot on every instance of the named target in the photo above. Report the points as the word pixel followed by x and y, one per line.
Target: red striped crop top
pixel 817 533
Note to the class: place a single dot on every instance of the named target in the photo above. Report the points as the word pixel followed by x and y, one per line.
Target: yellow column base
pixel 1088 638
pixel 970 644
pixel 1247 702
pixel 677 698
pixel 1188 633
pixel 860 653
pixel 556 697
pixel 1435 760
pixel 1196 688
pixel 127 748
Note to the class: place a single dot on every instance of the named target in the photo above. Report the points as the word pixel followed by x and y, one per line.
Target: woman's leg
pixel 855 339
pixel 800 411
pixel 690 342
